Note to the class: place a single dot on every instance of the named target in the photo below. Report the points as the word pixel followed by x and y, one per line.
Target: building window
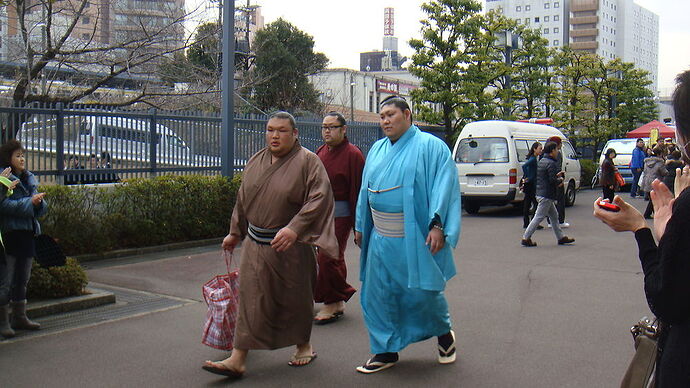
pixel 546 31
pixel 556 18
pixel 555 30
pixel 536 19
pixel 85 20
pixel 85 36
pixel 556 4
pixel 528 7
pixel 518 9
pixel 556 42
pixel 546 19
pixel 547 5
pixel 527 20
pixel 500 9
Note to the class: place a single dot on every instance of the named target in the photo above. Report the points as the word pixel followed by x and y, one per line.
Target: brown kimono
pixel 276 300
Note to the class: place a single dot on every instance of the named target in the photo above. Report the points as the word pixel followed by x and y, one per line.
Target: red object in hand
pixel 609 206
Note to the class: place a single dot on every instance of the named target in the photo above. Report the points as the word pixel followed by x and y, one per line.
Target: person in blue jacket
pixel 19 225
pixel 529 176
pixel 636 166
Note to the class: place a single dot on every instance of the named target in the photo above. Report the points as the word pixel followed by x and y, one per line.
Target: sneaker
pixel 528 242
pixel 566 240
pixel 564 225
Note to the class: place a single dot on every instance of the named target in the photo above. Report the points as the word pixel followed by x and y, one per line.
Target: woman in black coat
pixel 666 266
pixel 607 175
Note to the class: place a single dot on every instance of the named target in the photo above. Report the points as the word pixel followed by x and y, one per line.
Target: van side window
pixel 121 133
pixel 568 151
pixel 522 148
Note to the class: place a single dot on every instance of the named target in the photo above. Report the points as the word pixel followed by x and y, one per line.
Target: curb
pixel 94 298
pixel 146 250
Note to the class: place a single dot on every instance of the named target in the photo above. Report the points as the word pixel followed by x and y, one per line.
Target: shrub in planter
pixel 589 168
pixel 57 282
pixel 139 212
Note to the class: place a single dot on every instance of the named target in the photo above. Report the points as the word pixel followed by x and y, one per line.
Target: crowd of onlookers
pixel 649 162
pixel 95 162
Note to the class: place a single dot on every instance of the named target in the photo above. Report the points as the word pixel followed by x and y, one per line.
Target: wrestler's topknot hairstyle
pixel 398 101
pixel 339 116
pixel 284 115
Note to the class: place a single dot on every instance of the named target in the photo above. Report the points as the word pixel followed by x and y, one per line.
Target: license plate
pixel 480 182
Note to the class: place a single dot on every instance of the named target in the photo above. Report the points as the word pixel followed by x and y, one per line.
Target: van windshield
pixel 623 146
pixel 482 150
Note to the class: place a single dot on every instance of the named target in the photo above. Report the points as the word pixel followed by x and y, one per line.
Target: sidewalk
pixel 549 316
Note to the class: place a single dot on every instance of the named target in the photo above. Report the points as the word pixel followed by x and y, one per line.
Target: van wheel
pixel 471 207
pixel 570 194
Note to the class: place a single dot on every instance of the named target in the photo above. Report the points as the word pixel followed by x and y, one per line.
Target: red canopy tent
pixel 644 131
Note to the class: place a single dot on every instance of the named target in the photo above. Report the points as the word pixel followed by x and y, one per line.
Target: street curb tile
pixel 94 298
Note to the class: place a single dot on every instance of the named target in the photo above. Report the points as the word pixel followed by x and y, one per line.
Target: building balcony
pixel 584 20
pixel 589 45
pixel 584 5
pixel 586 32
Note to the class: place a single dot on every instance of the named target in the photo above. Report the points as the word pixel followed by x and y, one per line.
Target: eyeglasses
pixel 328 129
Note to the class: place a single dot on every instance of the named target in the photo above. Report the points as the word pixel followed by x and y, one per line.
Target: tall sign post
pixel 227 90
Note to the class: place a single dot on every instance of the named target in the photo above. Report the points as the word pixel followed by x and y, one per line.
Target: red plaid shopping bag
pixel 222 295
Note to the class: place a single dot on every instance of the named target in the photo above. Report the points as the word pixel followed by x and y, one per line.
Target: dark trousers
pixel 649 210
pixel 14 278
pixel 609 193
pixel 530 199
pixel 331 280
pixel 636 172
pixel 560 204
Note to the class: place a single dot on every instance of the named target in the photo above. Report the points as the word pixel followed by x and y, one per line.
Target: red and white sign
pixel 387 86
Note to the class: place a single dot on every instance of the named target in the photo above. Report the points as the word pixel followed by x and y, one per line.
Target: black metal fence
pixel 82 144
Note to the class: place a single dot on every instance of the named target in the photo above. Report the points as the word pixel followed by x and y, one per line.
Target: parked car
pixel 489 156
pixel 125 139
pixel 624 149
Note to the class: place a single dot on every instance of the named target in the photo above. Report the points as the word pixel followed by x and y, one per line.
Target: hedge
pixel 589 168
pixel 139 212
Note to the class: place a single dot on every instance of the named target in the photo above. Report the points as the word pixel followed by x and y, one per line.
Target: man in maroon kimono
pixel 344 163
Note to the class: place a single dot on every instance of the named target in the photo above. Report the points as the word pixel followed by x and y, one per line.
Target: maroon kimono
pixel 344 164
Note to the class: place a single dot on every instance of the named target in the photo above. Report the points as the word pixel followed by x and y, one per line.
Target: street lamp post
pixel 509 42
pixel 352 97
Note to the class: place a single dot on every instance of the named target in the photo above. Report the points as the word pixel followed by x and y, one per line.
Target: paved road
pixel 550 316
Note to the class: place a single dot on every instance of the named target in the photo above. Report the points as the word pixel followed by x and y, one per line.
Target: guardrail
pixel 68 145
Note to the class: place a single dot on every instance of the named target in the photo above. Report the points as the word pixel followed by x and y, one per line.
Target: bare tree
pixel 75 49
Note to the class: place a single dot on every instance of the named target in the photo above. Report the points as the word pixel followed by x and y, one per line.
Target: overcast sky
pixel 343 29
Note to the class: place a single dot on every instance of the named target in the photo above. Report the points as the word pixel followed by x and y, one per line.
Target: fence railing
pixel 93 145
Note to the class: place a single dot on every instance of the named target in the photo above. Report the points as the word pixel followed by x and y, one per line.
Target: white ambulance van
pixel 489 156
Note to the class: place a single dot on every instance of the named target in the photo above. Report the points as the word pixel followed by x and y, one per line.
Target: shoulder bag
pixel 640 373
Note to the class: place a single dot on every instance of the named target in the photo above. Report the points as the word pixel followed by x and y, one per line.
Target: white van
pixel 624 149
pixel 125 139
pixel 489 156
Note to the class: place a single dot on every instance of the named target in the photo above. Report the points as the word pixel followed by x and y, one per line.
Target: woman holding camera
pixel 666 266
pixel 18 224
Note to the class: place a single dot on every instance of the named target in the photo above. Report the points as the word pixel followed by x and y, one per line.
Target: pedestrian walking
pixel 18 225
pixel 636 166
pixel 344 163
pixel 654 168
pixel 548 180
pixel 408 222
pixel 285 207
pixel 666 266
pixel 607 175
pixel 529 176
pixel 560 190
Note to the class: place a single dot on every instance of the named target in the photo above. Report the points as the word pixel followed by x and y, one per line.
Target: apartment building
pixel 610 28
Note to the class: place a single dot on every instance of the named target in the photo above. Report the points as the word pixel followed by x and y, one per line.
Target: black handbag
pixel 48 252
pixel 640 373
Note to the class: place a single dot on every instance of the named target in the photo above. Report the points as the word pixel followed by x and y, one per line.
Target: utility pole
pixel 228 90
pixel 352 97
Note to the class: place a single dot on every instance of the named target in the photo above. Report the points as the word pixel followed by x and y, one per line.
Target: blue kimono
pixel 402 282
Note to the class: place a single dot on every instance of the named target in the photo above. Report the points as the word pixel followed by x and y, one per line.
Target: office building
pixel 609 28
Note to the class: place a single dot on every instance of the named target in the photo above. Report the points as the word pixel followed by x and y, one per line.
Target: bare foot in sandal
pixel 303 356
